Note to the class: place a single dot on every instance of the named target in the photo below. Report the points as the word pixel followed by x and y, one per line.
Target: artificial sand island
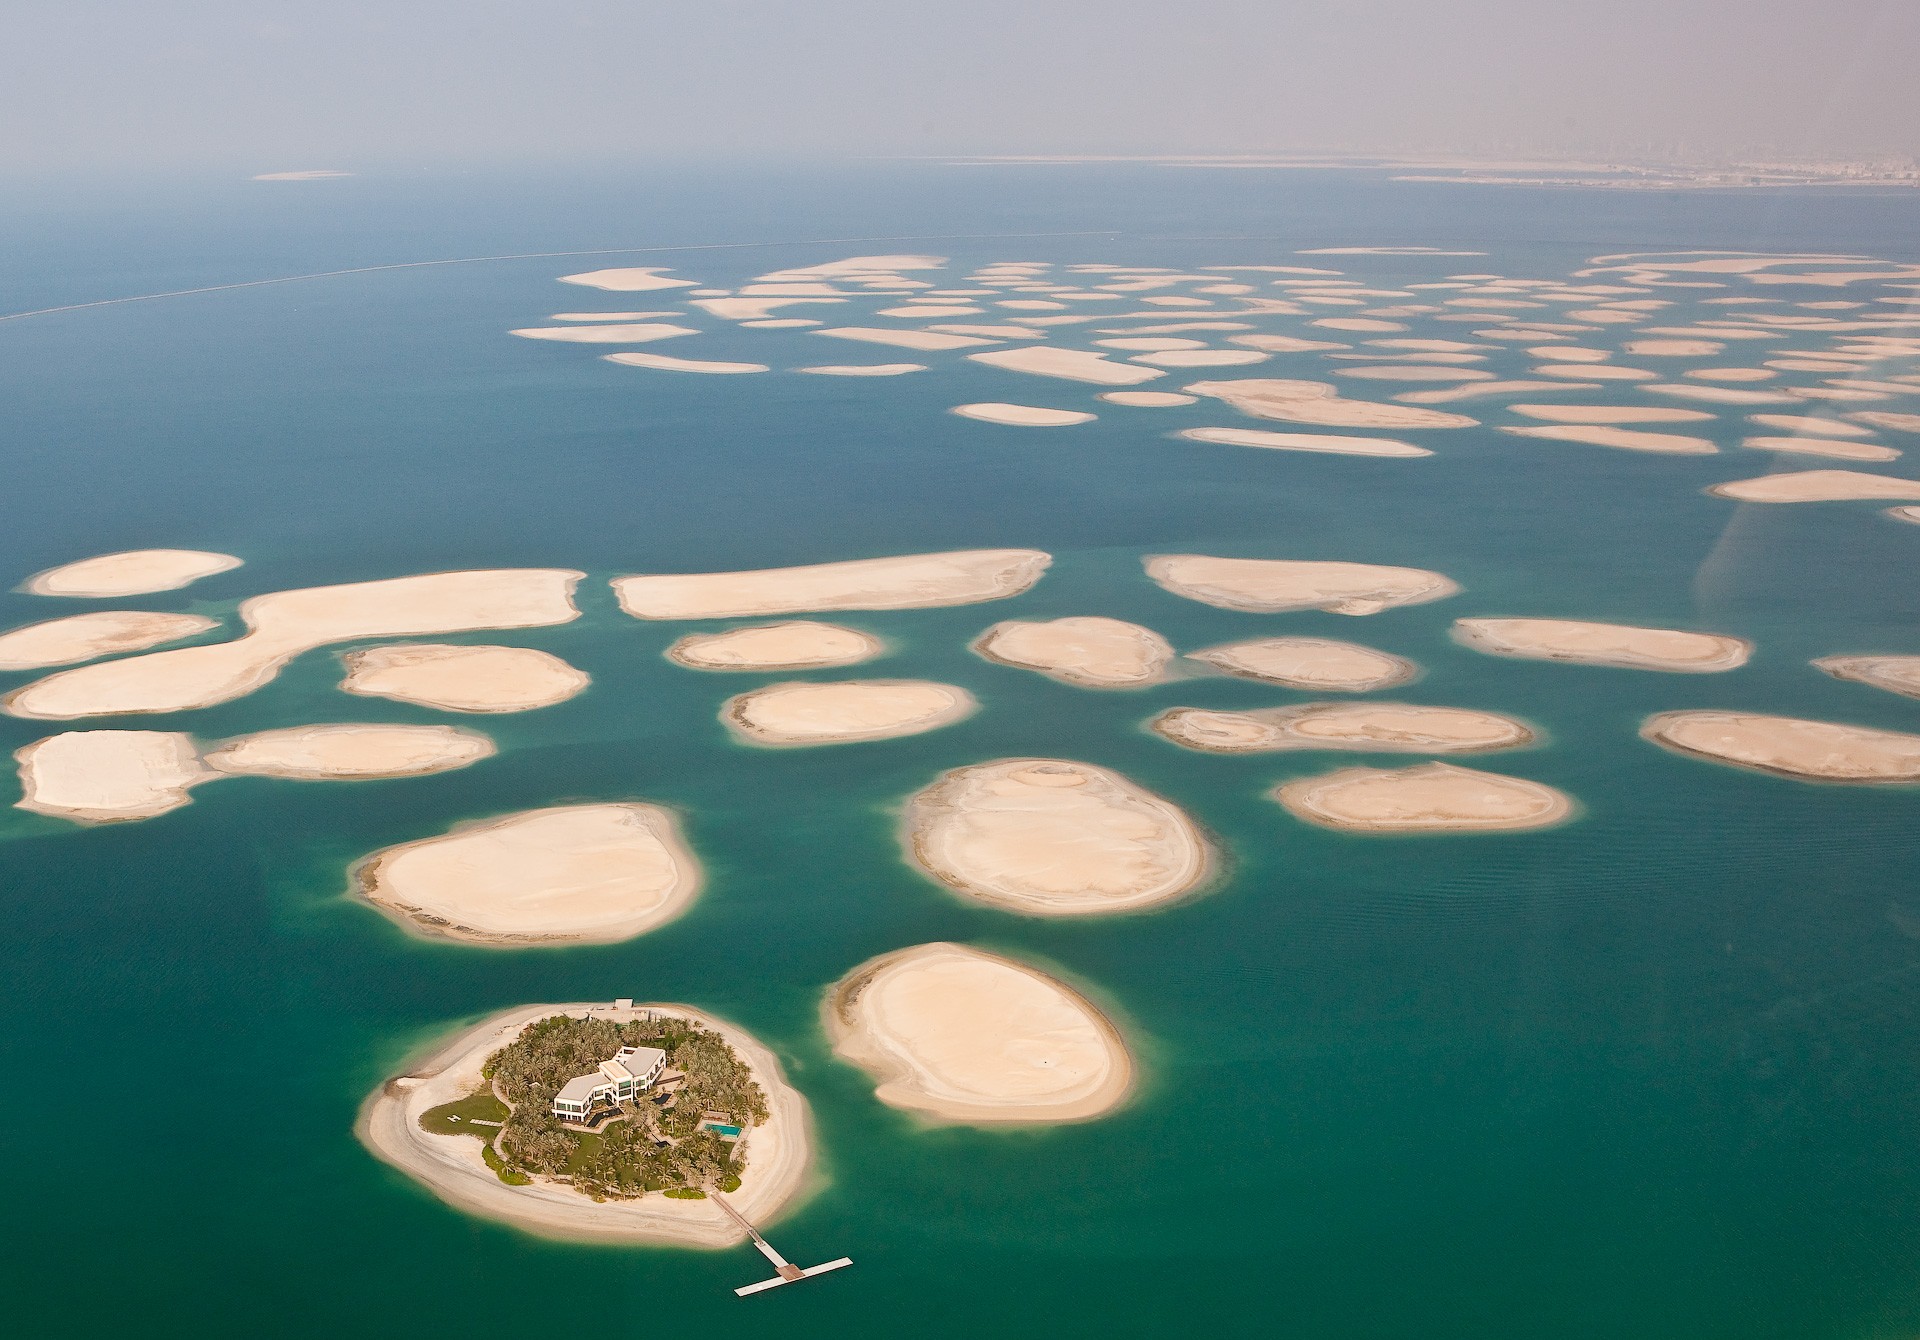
pixel 463 678
pixel 1088 651
pixel 85 637
pixel 1320 403
pixel 452 1162
pixel 136 572
pixel 1622 645
pixel 911 581
pixel 1427 798
pixel 1271 586
pixel 1388 728
pixel 563 875
pixel 1050 837
pixel 799 644
pixel 349 751
pixel 1327 443
pixel 1895 674
pixel 1822 751
pixel 284 624
pixel 959 1035
pixel 1316 664
pixel 1819 486
pixel 848 712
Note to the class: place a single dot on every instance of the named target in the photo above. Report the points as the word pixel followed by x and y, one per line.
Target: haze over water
pixel 1650 1074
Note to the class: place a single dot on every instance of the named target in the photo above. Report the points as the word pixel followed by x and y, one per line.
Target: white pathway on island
pixel 785 1271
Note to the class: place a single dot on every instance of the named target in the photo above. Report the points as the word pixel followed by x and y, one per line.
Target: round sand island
pixel 1316 664
pixel 911 581
pixel 1273 586
pixel 1319 403
pixel 1049 837
pixel 1088 651
pixel 849 712
pixel 964 1036
pixel 1621 645
pixel 1429 798
pixel 1895 674
pixel 1819 486
pixel 799 644
pixel 462 678
pixel 1392 728
pixel 82 637
pixel 109 776
pixel 350 751
pixel 557 876
pixel 137 572
pixel 776 1154
pixel 1818 751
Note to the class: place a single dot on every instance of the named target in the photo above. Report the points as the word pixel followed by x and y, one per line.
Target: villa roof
pixel 579 1088
pixel 635 1061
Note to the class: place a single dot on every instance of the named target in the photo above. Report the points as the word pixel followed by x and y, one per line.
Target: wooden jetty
pixel 785 1272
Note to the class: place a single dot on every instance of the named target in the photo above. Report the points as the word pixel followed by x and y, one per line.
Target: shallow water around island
pixel 1650 1074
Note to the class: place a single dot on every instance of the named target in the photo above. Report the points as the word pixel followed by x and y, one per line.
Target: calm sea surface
pixel 1652 1074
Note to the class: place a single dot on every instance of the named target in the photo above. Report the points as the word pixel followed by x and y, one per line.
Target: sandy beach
pixel 349 751
pixel 1622 645
pixel 1321 442
pixel 614 333
pixel 1071 364
pixel 808 713
pixel 1319 403
pixel 567 874
pixel 1611 413
pixel 1090 652
pixel 1050 837
pixel 1022 416
pixel 109 776
pixel 911 581
pixel 629 280
pixel 1819 486
pixel 284 624
pixel 1822 751
pixel 778 1153
pixel 800 644
pixel 1148 399
pixel 1895 674
pixel 668 363
pixel 459 678
pixel 863 369
pixel 1272 586
pixel 1830 448
pixel 959 1035
pixel 136 572
pixel 1313 663
pixel 1426 798
pixel 85 637
pixel 1368 727
pixel 1627 439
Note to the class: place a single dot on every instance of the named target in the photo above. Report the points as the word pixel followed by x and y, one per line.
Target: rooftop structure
pixel 629 1073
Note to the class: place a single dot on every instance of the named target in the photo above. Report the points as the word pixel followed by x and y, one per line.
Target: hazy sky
pixel 345 83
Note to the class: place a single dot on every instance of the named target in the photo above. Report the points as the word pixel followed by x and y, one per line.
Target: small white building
pixel 629 1074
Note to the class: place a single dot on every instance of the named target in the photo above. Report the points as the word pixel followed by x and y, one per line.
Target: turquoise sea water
pixel 1652 1074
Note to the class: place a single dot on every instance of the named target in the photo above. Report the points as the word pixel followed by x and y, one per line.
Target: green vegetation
pixel 465 1116
pixel 655 1144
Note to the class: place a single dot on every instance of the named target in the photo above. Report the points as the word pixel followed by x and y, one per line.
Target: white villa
pixel 629 1074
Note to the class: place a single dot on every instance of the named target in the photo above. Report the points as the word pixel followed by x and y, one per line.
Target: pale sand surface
pixel 1800 424
pixel 1023 416
pixel 778 1152
pixel 806 713
pixel 905 339
pixel 965 1036
pixel 626 281
pixel 1368 727
pixel 641 333
pixel 350 751
pixel 1092 652
pixel 1415 372
pixel 1817 486
pixel 106 776
pixel 1831 447
pixel 1895 674
pixel 1427 798
pixel 1789 746
pixel 1622 645
pixel 1148 399
pixel 1731 374
pixel 563 875
pixel 864 369
pixel 1318 403
pixel 1150 344
pixel 1322 442
pixel 1719 395
pixel 1673 348
pixel 1479 390
pixel 1271 586
pixel 1599 372
pixel 1628 439
pixel 1050 837
pixel 1357 323
pixel 1900 423
pixel 82 637
pixel 463 678
pixel 797 645
pixel 667 363
pixel 1202 358
pixel 1570 353
pixel 1905 514
pixel 1312 663
pixel 1284 344
pixel 608 316
pixel 911 581
pixel 1611 413
pixel 136 572
pixel 1072 364
pixel 284 624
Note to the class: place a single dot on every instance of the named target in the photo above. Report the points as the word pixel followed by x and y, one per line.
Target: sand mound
pixel 1611 413
pixel 1023 416
pixel 971 1037
pixel 1316 402
pixel 1819 486
pixel 136 572
pixel 1312 663
pixel 1789 746
pixel 637 333
pixel 1613 644
pixel 864 369
pixel 1397 728
pixel 1428 798
pixel 1319 442
pixel 631 280
pixel 350 751
pixel 1270 586
pixel 1050 837
pixel 1832 448
pixel 798 645
pixel 805 713
pixel 667 363
pixel 571 873
pixel 1072 364
pixel 1628 439
pixel 83 637
pixel 1895 674
pixel 912 581
pixel 1148 399
pixel 1091 652
pixel 463 678
pixel 107 776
